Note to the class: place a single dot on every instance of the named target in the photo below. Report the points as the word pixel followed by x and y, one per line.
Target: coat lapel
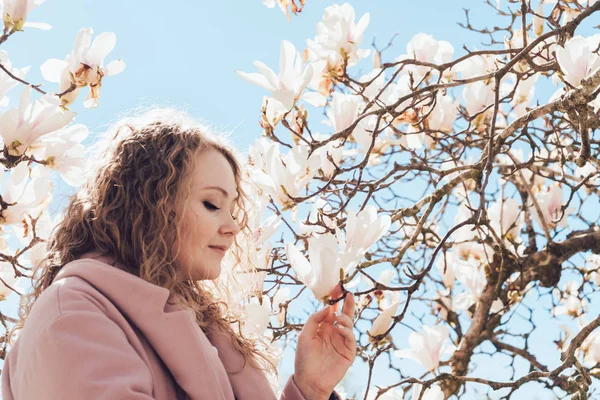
pixel 172 332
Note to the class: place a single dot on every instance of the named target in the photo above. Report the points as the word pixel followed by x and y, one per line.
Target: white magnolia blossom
pixel 285 176
pixel 383 322
pixel 477 66
pixel 7 275
pixel 550 202
pixel 392 394
pixel 62 151
pixel 477 97
pixel 14 14
pixel 432 393
pixel 23 125
pixel 424 47
pixel 338 38
pixel 6 82
pixel 287 87
pixel 363 230
pixel 570 303
pixel 282 296
pixel 577 59
pixel 427 347
pixel 506 218
pixel 322 272
pixel 266 229
pixel 343 110
pixel 443 115
pixel 31 196
pixel 257 318
pixel 333 150
pixel 471 275
pixel 84 66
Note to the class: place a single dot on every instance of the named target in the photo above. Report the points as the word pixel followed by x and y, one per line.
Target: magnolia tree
pixel 39 140
pixel 458 204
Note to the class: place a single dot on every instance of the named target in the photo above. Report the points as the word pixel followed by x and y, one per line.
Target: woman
pixel 123 307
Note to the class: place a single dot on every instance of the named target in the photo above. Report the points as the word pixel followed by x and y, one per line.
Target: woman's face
pixel 207 229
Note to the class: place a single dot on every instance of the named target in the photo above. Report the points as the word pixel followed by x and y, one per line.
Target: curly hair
pixel 138 185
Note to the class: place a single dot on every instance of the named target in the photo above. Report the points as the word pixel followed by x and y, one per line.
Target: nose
pixel 230 227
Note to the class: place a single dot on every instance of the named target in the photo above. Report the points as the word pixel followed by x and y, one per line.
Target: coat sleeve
pixel 291 392
pixel 86 355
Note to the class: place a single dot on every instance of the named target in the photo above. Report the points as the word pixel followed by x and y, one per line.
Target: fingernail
pixel 337 313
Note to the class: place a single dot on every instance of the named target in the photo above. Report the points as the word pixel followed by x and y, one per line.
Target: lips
pixel 219 249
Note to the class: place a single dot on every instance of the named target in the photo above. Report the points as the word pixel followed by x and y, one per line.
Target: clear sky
pixel 185 53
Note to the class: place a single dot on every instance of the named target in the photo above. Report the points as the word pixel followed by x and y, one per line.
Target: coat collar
pixel 189 353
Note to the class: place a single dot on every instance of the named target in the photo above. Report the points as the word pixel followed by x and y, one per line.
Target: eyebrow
pixel 220 189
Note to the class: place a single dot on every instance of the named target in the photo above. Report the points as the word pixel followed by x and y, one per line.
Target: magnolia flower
pixel 550 203
pixel 322 273
pixel 392 394
pixel 477 97
pixel 257 318
pixel 344 109
pixel 570 303
pixel 423 47
pixel 333 150
pixel 282 296
pixel 445 267
pixel 477 65
pixel 284 177
pixel 427 347
pixel 84 66
pixel 506 218
pixel 363 230
pixel 538 20
pixel 31 197
pixel 577 59
pixel 363 136
pixel 432 393
pixel 338 36
pixel 266 229
pixel 6 82
pixel 384 320
pixel 14 13
pixel 62 151
pixel 472 276
pixel 443 115
pixel 24 125
pixel 284 5
pixel 7 276
pixel 288 86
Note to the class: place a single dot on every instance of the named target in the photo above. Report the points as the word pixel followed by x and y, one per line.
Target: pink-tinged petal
pixel 102 45
pixel 52 69
pixel 38 25
pixel 256 79
pixel 114 67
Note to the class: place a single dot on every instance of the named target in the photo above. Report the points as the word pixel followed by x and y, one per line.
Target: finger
pixel 343 320
pixel 349 305
pixel 336 293
pixel 315 319
pixel 348 336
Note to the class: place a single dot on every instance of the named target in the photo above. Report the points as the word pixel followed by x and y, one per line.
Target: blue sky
pixel 185 53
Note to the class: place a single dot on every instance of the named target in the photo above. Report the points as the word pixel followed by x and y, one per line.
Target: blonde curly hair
pixel 138 184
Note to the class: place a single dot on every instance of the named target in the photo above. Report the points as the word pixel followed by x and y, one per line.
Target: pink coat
pixel 101 333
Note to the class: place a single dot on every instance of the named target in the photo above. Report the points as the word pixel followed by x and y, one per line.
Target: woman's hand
pixel 326 348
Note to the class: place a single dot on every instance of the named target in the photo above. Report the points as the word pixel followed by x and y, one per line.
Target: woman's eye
pixel 210 206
